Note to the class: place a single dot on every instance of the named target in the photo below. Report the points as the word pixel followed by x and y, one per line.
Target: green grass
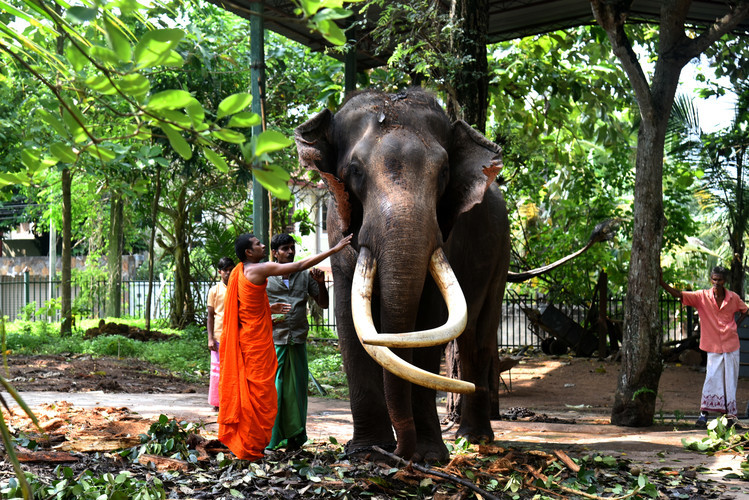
pixel 186 356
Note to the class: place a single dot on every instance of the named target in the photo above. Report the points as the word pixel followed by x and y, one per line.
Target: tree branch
pixel 433 472
pixel 611 16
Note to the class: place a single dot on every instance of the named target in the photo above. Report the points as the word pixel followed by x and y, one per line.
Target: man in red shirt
pixel 719 338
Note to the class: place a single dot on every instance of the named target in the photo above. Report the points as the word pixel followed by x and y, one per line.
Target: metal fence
pixel 27 298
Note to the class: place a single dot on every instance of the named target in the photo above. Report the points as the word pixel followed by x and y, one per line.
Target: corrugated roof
pixel 508 19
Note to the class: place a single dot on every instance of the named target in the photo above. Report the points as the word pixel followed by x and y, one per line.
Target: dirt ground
pixel 554 384
pixel 82 373
pixel 540 383
pixel 572 397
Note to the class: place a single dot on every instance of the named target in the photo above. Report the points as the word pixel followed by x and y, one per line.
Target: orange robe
pixel 247 390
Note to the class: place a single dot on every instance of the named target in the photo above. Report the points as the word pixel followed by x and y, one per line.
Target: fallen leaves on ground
pixel 85 443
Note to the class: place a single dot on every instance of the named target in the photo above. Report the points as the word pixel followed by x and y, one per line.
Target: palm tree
pixel 723 156
pixel 725 160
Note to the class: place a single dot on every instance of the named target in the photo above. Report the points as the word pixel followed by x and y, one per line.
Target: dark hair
pixel 242 244
pixel 720 270
pixel 281 239
pixel 225 263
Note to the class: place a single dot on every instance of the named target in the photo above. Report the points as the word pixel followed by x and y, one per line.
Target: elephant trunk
pixel 361 297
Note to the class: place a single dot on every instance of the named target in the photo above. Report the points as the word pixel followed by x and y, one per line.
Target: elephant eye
pixel 354 170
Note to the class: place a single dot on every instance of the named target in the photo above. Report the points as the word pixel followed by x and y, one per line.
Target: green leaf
pixel 176 117
pixel 30 159
pixel 330 14
pixel 105 55
pixel 244 119
pixel 275 180
pixel 13 179
pixel 156 46
pixel 63 152
pixel 100 153
pixel 195 111
pixel 101 84
pixel 53 121
pixel 135 85
pixel 217 160
pixel 173 60
pixel 229 136
pixel 331 32
pixel 117 41
pixel 81 14
pixel 75 125
pixel 233 104
pixel 270 141
pixel 170 99
pixel 176 140
pixel 76 57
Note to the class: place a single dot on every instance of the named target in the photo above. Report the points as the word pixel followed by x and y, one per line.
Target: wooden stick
pixel 571 465
pixel 443 475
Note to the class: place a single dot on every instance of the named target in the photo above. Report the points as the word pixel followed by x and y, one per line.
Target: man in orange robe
pixel 247 390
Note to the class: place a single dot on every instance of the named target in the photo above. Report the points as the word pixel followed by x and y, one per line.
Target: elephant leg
pixel 479 359
pixel 475 365
pixel 430 446
pixel 365 380
pixel 398 398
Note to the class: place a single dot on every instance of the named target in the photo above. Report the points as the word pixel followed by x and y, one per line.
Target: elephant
pixel 431 245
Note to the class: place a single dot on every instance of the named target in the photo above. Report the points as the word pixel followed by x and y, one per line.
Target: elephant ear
pixel 475 162
pixel 317 152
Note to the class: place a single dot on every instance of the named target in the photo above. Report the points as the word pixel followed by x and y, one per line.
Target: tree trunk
pixel 635 397
pixel 66 312
pixel 469 101
pixel 736 236
pixel 152 246
pixel 470 96
pixel 183 312
pixel 114 257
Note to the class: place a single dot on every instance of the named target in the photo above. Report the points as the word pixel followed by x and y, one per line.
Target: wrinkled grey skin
pixel 405 181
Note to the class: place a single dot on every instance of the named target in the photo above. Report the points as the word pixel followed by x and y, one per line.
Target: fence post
pixel 26 286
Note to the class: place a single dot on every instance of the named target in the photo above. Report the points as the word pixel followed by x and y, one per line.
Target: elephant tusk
pixel 456 306
pixel 361 306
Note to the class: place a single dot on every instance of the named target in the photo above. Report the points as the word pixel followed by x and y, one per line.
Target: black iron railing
pixel 29 298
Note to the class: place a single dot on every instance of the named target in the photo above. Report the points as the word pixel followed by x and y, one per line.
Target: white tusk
pixel 456 306
pixel 361 307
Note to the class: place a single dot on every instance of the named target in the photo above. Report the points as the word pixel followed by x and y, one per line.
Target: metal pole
pixel 260 205
pixel 52 259
pixel 26 287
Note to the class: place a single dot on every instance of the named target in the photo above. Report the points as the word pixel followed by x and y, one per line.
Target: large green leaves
pixel 233 104
pixel 275 180
pixel 156 48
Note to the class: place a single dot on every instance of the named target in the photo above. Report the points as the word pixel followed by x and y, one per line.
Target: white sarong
pixel 719 390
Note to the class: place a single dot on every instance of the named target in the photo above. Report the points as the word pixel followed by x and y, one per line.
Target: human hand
pixel 343 243
pixel 280 308
pixel 212 344
pixel 317 275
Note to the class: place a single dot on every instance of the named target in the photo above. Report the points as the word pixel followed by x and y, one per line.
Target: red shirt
pixel 717 325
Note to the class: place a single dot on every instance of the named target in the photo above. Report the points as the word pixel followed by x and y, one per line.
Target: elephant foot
pixel 366 451
pixel 431 452
pixel 475 434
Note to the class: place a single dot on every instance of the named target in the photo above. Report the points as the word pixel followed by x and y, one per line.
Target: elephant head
pixel 400 174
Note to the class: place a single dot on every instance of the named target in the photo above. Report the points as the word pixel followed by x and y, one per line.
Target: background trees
pixel 118 98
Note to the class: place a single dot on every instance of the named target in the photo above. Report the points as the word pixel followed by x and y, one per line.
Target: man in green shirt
pixel 290 329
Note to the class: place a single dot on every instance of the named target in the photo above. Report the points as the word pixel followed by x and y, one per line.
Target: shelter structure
pixel 508 20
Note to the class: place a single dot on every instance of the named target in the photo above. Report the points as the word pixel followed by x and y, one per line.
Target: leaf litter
pixel 169 459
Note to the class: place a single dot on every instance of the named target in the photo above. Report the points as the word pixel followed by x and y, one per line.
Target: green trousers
pixel 292 377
